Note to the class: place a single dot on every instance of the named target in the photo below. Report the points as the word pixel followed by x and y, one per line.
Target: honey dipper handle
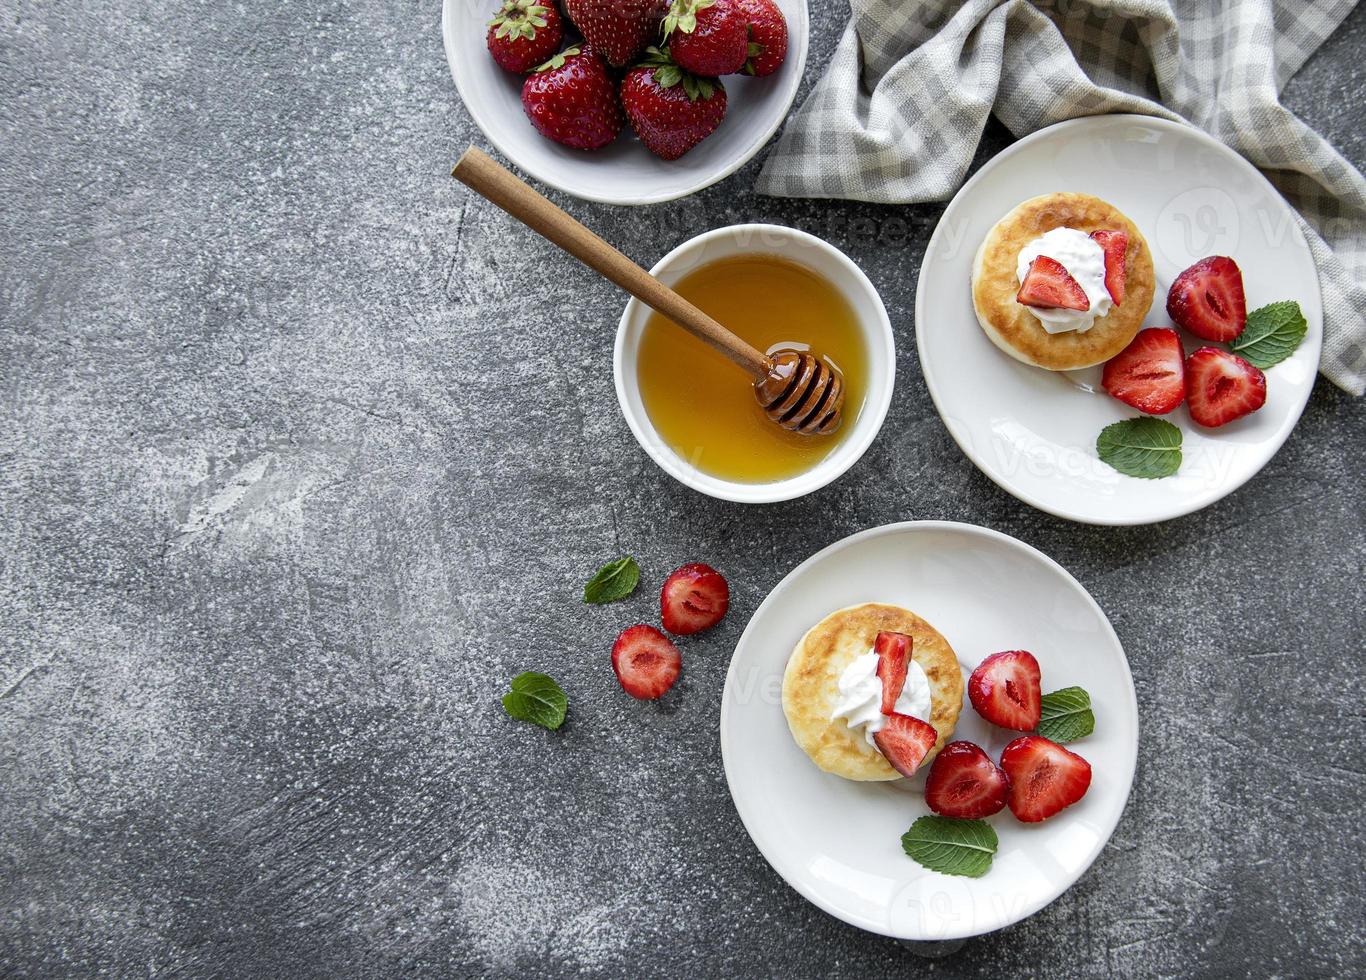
pixel 486 177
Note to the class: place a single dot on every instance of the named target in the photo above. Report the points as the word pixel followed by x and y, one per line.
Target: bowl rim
pixel 825 472
pixel 796 52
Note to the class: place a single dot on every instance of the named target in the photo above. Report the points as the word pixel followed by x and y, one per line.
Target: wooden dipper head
pixel 797 389
pixel 801 393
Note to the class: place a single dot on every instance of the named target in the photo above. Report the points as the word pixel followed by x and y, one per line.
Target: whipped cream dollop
pixel 860 701
pixel 1084 260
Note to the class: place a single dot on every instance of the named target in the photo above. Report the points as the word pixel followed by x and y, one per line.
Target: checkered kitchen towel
pixel 901 108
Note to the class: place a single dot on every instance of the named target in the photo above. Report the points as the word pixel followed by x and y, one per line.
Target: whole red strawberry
pixel 767 36
pixel 707 37
pixel 572 100
pixel 524 33
pixel 670 109
pixel 617 29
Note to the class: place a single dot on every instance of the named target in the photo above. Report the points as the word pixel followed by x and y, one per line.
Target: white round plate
pixel 1034 431
pixel 625 172
pixel 838 842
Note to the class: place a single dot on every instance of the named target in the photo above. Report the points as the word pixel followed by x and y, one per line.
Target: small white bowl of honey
pixel 694 412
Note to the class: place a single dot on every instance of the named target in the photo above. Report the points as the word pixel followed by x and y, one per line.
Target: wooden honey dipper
pixel 796 389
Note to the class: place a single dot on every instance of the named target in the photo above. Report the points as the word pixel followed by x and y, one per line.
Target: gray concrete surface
pixel 281 511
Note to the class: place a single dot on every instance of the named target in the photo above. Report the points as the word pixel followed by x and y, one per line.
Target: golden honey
pixel 703 405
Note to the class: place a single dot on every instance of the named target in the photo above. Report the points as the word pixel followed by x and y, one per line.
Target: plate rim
pixel 1195 502
pixel 803 32
pixel 913 527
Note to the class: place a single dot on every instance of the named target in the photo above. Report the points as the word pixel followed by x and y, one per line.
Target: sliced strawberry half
pixel 1207 299
pixel 645 661
pixel 893 660
pixel 1044 777
pixel 1221 387
pixel 964 782
pixel 905 741
pixel 693 598
pixel 1005 690
pixel 1049 284
pixel 1114 244
pixel 1149 374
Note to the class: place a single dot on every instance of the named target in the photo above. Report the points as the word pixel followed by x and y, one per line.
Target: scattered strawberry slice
pixel 617 29
pixel 1114 244
pixel 693 598
pixel 645 661
pixel 893 659
pixel 965 783
pixel 1005 690
pixel 1149 374
pixel 1207 299
pixel 905 741
pixel 767 36
pixel 1044 777
pixel 1221 387
pixel 707 37
pixel 1049 284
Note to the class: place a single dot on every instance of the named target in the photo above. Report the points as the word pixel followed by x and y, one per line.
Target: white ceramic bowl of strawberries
pixel 625 171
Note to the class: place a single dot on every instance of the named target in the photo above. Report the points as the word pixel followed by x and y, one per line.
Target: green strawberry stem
pixel 667 74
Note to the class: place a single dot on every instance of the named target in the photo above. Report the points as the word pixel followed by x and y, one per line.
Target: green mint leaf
pixel 1144 447
pixel 1272 334
pixel 1066 715
pixel 536 698
pixel 951 847
pixel 613 581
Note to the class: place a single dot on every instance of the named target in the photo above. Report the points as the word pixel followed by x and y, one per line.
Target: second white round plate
pixel 839 842
pixel 1033 431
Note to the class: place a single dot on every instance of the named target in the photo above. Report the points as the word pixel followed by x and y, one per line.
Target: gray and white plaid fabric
pixel 901 108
